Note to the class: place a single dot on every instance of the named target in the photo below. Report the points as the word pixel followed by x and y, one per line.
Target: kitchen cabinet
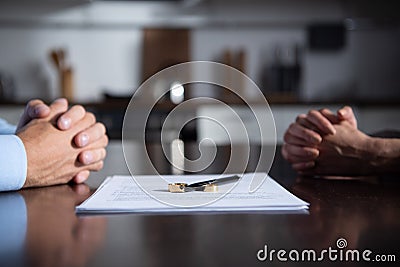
pixel 371 119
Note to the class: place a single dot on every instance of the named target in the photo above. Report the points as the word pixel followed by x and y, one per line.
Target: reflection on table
pixel 54 235
pixel 364 211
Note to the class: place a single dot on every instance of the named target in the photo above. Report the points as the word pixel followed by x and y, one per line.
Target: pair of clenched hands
pixel 62 145
pixel 324 143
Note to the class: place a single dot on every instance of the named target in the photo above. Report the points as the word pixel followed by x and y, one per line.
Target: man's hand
pixel 52 153
pixel 302 138
pixel 36 109
pixel 348 152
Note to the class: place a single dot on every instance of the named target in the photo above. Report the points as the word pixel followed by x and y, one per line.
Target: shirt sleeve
pixel 6 128
pixel 13 163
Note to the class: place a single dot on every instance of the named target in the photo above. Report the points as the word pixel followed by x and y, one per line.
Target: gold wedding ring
pixel 210 185
pixel 210 188
pixel 177 187
pixel 183 187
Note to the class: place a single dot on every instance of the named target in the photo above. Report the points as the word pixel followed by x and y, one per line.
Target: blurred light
pixel 177 92
pixel 177 156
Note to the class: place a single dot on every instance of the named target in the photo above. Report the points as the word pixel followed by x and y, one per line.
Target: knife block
pixel 66 79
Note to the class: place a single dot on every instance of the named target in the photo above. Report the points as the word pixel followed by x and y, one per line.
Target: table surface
pixel 364 211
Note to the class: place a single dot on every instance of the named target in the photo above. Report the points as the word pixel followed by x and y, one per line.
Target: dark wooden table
pixel 365 212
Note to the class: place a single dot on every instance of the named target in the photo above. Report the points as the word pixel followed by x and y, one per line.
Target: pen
pixel 219 181
pixel 207 185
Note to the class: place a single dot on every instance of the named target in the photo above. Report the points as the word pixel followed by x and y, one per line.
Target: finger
pixel 294 140
pixel 333 118
pixel 34 109
pixel 307 135
pixel 57 108
pixel 302 166
pixel 284 152
pixel 303 121
pixel 293 158
pixel 91 167
pixel 296 159
pixel 322 123
pixel 295 154
pixel 89 135
pixel 73 115
pixel 91 156
pixel 37 109
pixel 100 143
pixel 96 166
pixel 346 113
pixel 301 151
pixel 86 122
pixel 81 177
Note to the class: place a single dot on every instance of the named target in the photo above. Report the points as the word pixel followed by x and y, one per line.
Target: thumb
pixel 35 109
pixel 346 114
pixel 58 107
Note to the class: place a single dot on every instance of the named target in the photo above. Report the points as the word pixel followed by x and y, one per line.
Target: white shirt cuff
pixel 13 163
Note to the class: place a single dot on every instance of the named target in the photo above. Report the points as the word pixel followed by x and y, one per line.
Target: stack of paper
pixel 122 194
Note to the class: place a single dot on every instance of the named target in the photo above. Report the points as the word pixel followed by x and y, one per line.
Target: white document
pixel 122 194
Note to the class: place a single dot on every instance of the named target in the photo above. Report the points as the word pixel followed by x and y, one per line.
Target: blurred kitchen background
pixel 301 53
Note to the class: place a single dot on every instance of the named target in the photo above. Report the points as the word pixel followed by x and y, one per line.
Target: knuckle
pixel 90 117
pixel 103 128
pixel 32 102
pixel 30 107
pixel 105 140
pixel 99 165
pixel 348 107
pixel 305 152
pixel 292 127
pixel 100 154
pixel 284 147
pixel 301 117
pixel 313 112
pixel 79 109
pixel 284 153
pixel 103 153
pixel 287 155
pixel 100 127
pixel 82 158
pixel 286 137
pixel 304 131
pixel 288 148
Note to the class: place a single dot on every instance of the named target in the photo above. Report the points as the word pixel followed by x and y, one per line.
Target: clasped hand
pixel 62 145
pixel 323 143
